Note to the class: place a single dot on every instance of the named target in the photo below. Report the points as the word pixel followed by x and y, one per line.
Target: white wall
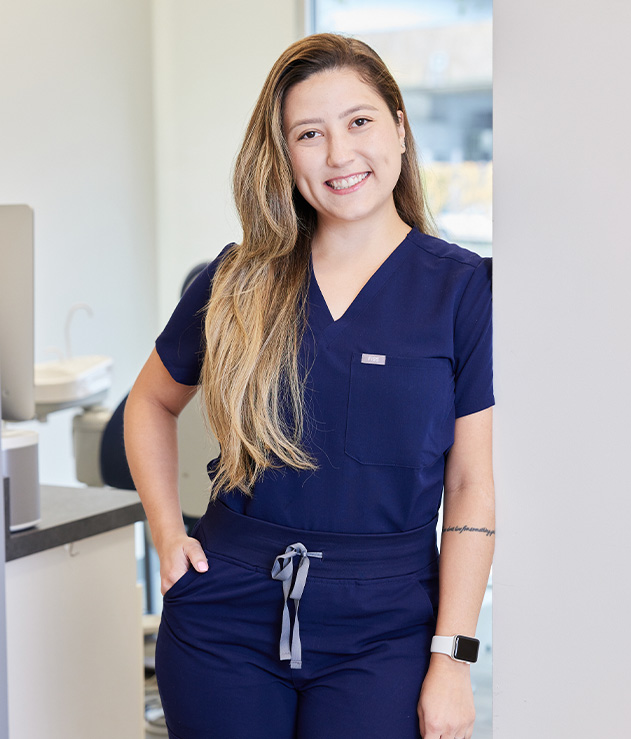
pixel 562 594
pixel 78 119
pixel 76 144
pixel 211 58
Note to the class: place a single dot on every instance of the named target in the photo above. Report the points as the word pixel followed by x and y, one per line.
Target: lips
pixel 345 183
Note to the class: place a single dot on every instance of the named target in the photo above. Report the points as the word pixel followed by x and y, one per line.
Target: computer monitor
pixel 18 446
pixel 17 359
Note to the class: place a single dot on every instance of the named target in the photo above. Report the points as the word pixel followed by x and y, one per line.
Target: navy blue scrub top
pixel 386 382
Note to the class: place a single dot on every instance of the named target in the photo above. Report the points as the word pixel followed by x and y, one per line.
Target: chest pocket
pixel 400 413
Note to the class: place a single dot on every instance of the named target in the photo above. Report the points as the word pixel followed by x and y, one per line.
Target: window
pixel 440 52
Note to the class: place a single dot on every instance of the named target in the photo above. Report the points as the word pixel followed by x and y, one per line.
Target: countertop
pixel 69 514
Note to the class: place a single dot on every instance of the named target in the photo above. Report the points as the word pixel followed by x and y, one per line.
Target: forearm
pixel 151 448
pixel 446 704
pixel 466 553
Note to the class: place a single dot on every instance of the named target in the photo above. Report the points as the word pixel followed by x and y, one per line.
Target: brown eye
pixel 308 135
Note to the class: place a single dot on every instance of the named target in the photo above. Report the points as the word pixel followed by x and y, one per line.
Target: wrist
pixel 458 647
pixel 444 663
pixel 166 537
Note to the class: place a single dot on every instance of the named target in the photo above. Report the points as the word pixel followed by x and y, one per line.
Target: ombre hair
pixel 252 385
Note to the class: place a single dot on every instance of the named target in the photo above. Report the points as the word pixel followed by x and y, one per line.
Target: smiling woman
pixel 345 151
pixel 344 353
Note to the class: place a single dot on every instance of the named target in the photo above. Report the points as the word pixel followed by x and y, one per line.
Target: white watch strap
pixel 443 645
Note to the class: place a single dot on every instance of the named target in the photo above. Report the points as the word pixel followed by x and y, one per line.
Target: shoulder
pixel 198 283
pixel 180 345
pixel 203 274
pixel 450 268
pixel 441 252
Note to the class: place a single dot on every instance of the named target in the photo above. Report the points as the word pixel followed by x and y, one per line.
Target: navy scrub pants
pixel 344 657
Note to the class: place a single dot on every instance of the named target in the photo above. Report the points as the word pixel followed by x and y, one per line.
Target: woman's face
pixel 345 147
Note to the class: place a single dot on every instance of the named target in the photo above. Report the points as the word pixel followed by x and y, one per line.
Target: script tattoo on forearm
pixel 462 529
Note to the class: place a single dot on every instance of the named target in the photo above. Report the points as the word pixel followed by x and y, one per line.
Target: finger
pixel 468 733
pixel 196 556
pixel 427 733
pixel 421 720
pixel 434 732
pixel 465 733
pixel 168 581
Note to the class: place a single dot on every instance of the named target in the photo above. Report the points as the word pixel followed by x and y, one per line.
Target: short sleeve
pixel 181 343
pixel 473 344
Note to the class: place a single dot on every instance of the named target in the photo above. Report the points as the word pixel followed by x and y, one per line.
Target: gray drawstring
pixel 283 570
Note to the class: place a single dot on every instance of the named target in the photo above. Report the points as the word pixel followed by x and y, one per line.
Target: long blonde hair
pixel 252 385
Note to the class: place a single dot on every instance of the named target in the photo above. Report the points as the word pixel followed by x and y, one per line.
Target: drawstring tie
pixel 283 570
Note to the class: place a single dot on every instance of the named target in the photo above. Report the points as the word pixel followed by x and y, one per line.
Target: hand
pixel 176 556
pixel 445 708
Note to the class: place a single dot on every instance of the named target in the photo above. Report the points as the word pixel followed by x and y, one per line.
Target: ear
pixel 401 128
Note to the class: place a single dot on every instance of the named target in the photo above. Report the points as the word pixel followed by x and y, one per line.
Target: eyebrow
pixel 350 111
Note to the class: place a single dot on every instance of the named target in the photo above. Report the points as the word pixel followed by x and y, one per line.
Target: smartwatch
pixel 460 648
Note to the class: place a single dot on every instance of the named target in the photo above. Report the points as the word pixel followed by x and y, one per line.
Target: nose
pixel 340 151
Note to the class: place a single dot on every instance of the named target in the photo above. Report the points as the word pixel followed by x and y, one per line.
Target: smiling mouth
pixel 344 183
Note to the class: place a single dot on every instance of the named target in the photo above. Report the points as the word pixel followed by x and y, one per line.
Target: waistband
pixel 344 556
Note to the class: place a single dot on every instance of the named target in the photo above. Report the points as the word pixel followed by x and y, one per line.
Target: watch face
pixel 466 649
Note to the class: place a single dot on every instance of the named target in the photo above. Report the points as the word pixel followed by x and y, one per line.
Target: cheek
pixel 297 165
pixel 302 168
pixel 391 165
pixel 387 149
pixel 395 156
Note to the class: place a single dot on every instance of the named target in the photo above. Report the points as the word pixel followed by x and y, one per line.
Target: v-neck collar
pixel 321 319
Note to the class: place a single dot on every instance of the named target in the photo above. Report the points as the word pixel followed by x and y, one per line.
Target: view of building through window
pixel 440 53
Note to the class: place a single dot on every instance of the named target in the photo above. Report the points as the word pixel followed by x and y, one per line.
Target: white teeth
pixel 347 182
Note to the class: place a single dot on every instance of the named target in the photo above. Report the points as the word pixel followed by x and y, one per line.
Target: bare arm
pixel 151 412
pixel 467 544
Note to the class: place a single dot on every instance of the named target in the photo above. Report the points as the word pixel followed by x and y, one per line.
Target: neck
pixel 368 236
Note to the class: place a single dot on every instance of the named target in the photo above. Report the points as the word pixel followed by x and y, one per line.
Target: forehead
pixel 328 93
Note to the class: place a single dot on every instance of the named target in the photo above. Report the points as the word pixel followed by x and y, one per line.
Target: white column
pixel 562 593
